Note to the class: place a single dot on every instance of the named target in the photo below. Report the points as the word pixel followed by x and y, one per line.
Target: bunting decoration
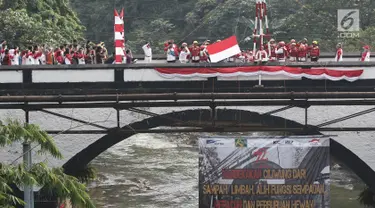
pixel 119 37
pixel 248 71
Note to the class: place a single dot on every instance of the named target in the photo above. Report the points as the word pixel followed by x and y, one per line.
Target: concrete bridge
pixel 140 98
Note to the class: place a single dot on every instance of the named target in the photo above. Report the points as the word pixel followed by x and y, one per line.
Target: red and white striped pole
pixel 123 31
pixel 255 32
pixel 261 22
pixel 261 25
pixel 268 35
pixel 119 38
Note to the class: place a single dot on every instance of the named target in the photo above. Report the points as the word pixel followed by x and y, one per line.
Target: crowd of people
pixel 67 54
pixel 272 51
pixel 91 53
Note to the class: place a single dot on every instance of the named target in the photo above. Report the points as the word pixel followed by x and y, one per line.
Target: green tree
pixel 26 22
pixel 53 180
pixel 217 19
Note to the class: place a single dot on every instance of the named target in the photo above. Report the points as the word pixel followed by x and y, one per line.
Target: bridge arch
pixel 83 158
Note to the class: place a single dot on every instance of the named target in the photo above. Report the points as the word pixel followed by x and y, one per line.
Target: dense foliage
pixel 188 20
pixel 55 21
pixel 28 22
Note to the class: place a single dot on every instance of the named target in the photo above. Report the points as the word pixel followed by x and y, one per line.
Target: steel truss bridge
pixel 130 102
pixel 29 94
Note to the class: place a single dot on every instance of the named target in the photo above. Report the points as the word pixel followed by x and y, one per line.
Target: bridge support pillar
pixel 306 118
pixel 118 118
pixel 28 192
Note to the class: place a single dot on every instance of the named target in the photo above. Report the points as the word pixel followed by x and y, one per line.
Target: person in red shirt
pixel 289 45
pixel 166 45
pixel 59 57
pixel 195 52
pixel 366 54
pixel 293 52
pixel 80 56
pixel 204 53
pixel 302 52
pixel 339 53
pixel 174 46
pixel 7 60
pixel 314 51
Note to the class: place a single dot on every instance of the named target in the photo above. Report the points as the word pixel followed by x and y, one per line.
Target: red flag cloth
pixel 295 72
pixel 223 49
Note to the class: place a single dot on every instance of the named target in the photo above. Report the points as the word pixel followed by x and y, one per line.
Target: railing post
pixel 119 75
pixel 27 76
pixel 213 82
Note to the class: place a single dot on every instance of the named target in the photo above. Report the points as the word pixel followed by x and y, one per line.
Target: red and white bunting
pixel 294 72
pixel 119 37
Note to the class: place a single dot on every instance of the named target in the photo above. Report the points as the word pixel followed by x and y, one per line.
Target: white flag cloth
pixel 223 49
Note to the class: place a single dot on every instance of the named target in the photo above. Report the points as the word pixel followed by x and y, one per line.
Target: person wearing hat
pixel 195 51
pixel 271 48
pixel 293 52
pixel 339 53
pixel 204 52
pixel 314 52
pixel 366 54
pixel 184 56
pixel 302 50
pixel 288 46
pixel 281 52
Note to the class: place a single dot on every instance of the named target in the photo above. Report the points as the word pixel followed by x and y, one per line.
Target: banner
pixel 269 172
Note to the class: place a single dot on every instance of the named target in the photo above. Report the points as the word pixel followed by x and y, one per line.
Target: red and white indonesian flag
pixel 223 49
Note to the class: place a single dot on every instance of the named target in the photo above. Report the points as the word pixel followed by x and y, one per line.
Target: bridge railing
pixel 132 72
pixel 322 55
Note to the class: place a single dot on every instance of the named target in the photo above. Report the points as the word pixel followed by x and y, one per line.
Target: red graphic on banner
pixel 261 154
pixel 315 140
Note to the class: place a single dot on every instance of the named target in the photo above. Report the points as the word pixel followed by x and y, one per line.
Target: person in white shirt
pixel 15 56
pixel 185 52
pixel 42 57
pixel 148 52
